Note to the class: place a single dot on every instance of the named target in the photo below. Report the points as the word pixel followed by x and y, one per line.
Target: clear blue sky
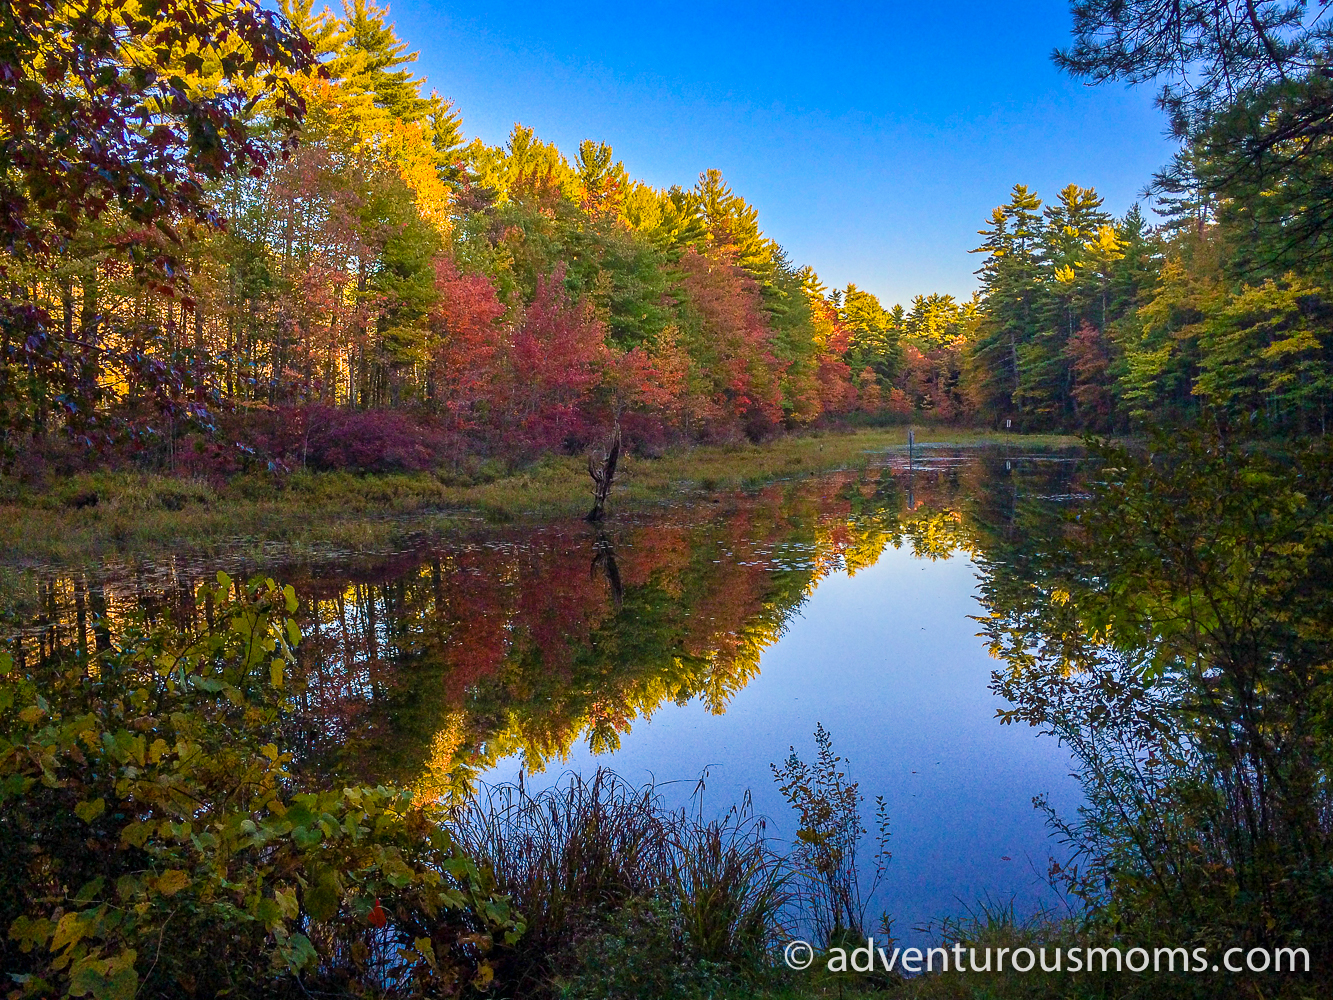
pixel 874 139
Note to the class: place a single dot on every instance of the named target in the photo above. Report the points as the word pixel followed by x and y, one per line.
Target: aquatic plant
pixel 833 896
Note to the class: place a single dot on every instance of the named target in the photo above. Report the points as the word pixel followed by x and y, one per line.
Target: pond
pixel 698 641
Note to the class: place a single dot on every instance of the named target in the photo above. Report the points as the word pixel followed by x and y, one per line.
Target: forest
pixel 242 244
pixel 291 256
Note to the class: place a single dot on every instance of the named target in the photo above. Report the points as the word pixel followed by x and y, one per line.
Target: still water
pixel 703 639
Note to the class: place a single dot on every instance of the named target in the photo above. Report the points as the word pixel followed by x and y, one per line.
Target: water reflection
pixel 428 666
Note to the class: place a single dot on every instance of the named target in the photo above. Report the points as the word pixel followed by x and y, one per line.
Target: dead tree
pixel 603 477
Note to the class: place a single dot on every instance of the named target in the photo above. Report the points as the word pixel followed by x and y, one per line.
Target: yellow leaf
pixel 171 882
pixel 426 949
pixel 275 673
pixel 136 834
pixel 69 931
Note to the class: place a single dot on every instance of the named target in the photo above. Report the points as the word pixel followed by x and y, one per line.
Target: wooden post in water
pixel 911 446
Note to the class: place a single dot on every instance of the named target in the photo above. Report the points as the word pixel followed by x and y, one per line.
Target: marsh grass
pixel 600 867
pixel 92 515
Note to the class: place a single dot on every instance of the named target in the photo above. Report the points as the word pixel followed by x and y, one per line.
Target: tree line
pixel 252 237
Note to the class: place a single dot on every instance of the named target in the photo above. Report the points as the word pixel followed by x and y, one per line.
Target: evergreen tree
pixel 373 61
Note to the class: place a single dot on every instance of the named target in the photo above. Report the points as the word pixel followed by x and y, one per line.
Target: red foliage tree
pixel 473 342
pixel 558 357
pixel 1090 361
pixel 735 370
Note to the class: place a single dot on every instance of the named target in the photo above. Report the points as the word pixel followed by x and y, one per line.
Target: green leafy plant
pixel 162 845
pixel 824 856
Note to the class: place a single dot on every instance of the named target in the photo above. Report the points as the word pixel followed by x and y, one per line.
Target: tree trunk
pixel 603 477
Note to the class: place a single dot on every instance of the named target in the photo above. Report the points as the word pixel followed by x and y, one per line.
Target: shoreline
pixel 94 516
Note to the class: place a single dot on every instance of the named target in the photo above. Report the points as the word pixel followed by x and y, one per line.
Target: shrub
pixel 832 898
pixel 161 845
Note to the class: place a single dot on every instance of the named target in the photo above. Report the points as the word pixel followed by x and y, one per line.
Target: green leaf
pixel 109 979
pixel 298 952
pixel 30 933
pixel 90 889
pixel 322 901
pixel 136 834
pixel 89 811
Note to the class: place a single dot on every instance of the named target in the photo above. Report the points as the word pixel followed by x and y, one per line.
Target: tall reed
pixel 573 855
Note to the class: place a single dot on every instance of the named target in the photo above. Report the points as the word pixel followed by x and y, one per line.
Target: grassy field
pixel 95 515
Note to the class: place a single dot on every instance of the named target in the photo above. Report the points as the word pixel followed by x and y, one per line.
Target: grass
pixel 91 516
pixel 626 899
pixel 622 896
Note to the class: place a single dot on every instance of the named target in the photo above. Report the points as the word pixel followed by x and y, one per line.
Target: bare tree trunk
pixel 603 477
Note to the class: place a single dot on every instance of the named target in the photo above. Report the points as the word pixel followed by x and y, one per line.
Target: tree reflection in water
pixel 426 667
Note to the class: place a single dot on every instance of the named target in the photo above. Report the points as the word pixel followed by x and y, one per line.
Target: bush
pixel 161 845
pixel 637 955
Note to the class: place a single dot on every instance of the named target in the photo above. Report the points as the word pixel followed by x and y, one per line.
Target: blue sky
pixel 874 139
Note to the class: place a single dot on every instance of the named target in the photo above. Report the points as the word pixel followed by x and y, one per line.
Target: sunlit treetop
pixel 134 105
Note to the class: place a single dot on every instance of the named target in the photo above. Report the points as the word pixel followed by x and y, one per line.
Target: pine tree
pixel 876 333
pixel 373 62
pixel 1010 285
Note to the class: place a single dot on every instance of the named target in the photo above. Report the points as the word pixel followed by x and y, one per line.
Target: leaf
pixel 31 714
pixel 30 933
pixel 171 882
pixel 323 899
pixel 298 952
pixel 109 979
pixel 89 890
pixel 275 672
pixel 427 950
pixel 136 834
pixel 287 904
pixel 397 873
pixel 89 811
pixel 69 931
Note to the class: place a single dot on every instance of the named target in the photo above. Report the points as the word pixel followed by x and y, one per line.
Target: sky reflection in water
pixel 889 661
